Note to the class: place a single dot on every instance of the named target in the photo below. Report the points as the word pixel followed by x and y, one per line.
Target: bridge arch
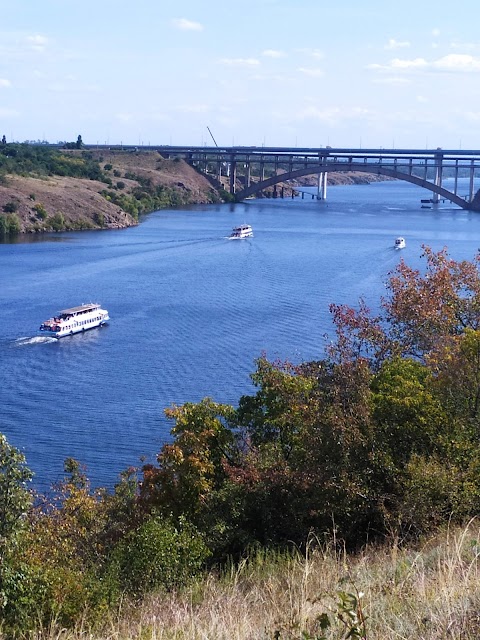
pixel 256 187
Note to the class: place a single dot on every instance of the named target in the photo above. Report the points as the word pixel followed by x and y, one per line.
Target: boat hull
pixel 70 332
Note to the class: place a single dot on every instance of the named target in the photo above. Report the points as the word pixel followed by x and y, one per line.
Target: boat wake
pixel 20 342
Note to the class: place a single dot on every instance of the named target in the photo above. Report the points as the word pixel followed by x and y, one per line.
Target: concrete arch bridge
pixel 260 168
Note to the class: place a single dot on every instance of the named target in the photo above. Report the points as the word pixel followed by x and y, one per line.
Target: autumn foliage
pixel 378 439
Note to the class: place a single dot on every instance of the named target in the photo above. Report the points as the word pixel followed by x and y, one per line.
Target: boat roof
pixel 83 307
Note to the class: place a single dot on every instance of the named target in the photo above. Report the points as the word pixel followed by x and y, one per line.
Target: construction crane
pixel 212 136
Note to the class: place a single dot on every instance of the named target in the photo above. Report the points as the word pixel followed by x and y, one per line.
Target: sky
pixel 306 73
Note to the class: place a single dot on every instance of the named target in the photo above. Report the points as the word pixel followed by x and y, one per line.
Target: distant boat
pixel 74 320
pixel 243 231
pixel 400 243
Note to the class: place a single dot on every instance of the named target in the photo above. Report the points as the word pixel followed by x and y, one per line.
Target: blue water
pixel 190 312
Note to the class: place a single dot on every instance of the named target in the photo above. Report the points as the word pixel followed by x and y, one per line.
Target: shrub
pixel 9 224
pixel 57 222
pixel 159 555
pixel 41 211
pixel 10 207
pixel 99 219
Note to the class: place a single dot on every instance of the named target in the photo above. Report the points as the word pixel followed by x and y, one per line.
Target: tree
pixel 421 311
pixel 192 466
pixel 79 143
pixel 15 498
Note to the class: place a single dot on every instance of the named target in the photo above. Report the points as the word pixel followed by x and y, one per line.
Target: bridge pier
pixel 438 176
pixel 322 186
pixel 472 175
pixel 233 175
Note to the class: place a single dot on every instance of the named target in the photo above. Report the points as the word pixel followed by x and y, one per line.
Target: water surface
pixel 190 311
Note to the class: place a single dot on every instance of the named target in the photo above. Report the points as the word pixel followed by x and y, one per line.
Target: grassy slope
pixel 430 592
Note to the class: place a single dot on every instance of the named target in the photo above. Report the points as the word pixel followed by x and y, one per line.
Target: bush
pixel 10 207
pixel 57 222
pixel 10 224
pixel 41 211
pixel 159 555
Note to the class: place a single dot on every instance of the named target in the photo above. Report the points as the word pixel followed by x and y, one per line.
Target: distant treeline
pixel 38 160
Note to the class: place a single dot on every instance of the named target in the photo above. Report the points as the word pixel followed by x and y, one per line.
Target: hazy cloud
pixel 313 73
pixel 454 62
pixel 37 42
pixel 312 53
pixel 395 44
pixel 240 62
pixel 392 80
pixel 457 62
pixel 417 63
pixel 124 117
pixel 273 53
pixel 187 25
pixel 4 83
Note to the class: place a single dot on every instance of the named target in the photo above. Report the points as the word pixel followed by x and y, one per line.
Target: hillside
pixel 129 184
pixel 123 185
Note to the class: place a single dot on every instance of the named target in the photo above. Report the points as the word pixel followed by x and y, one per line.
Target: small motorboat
pixel 399 243
pixel 243 231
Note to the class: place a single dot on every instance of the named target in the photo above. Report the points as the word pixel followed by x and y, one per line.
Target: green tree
pixel 15 497
pixel 191 467
pixel 15 501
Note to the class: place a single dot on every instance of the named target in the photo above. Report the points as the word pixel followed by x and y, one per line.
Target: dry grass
pixel 427 594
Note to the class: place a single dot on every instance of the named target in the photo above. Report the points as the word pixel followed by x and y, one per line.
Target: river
pixel 190 312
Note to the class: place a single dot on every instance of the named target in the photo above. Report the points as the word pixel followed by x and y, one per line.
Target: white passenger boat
pixel 74 320
pixel 243 231
pixel 399 243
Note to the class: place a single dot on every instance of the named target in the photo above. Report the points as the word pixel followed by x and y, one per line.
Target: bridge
pixel 259 168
